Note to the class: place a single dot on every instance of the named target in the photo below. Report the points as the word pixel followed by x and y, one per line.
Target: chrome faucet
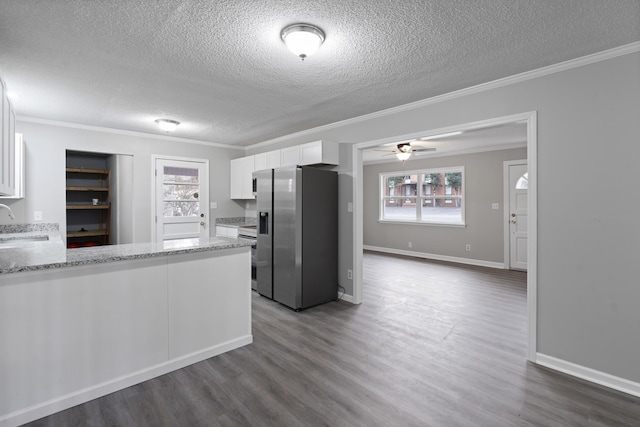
pixel 11 215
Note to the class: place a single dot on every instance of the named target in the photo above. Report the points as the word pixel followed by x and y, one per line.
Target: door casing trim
pixel 531 119
pixel 156 157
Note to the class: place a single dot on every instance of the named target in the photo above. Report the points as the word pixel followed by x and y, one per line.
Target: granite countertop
pixel 50 254
pixel 236 222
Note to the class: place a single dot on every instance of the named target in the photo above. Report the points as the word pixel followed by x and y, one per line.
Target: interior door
pixel 181 199
pixel 518 209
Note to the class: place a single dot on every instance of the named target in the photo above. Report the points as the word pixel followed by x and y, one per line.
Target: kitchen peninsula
pixel 81 323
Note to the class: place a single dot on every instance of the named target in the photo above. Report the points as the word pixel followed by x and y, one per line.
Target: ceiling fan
pixel 404 150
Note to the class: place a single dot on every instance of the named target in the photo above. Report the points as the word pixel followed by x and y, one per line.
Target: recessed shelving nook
pixel 88 203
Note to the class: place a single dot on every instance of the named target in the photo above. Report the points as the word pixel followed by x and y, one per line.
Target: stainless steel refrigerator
pixel 297 239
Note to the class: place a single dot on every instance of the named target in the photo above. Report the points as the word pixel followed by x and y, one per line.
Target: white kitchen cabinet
pixel 275 159
pixel 290 156
pixel 241 179
pixel 18 148
pixel 7 145
pixel 261 161
pixel 320 152
pixel 248 167
pixel 224 231
pixel 235 179
pixel 312 153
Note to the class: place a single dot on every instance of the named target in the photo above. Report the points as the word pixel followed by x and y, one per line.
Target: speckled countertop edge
pixel 237 221
pixel 52 254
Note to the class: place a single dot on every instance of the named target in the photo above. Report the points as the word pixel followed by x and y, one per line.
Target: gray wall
pixel 45 172
pixel 484 230
pixel 587 126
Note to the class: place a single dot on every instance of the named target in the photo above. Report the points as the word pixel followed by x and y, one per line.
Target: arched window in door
pixel 523 182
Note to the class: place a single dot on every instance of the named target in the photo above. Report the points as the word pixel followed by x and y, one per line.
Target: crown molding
pixel 506 81
pixel 57 123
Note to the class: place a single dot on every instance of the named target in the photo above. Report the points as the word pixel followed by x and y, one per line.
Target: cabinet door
pixel 261 161
pixel 6 146
pixel 248 167
pixel 235 179
pixel 290 156
pixel 275 160
pixel 311 153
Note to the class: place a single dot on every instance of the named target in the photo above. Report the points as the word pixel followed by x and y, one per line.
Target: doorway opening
pixel 530 120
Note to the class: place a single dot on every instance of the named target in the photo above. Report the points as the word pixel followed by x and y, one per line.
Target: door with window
pixel 518 210
pixel 181 199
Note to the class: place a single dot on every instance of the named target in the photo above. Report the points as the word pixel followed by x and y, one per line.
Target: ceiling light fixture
pixel 167 125
pixel 302 39
pixel 403 155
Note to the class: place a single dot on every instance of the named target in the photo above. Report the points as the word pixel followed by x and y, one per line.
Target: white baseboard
pixel 598 377
pixel 347 298
pixel 81 396
pixel 437 257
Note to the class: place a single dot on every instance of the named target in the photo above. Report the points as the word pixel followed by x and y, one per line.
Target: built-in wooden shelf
pixel 84 185
pixel 88 170
pixel 88 233
pixel 87 206
pixel 87 189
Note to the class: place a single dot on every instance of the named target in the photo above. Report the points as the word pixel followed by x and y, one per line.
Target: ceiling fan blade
pixel 424 149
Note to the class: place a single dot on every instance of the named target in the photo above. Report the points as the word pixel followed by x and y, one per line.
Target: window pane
pixel 439 192
pixel 400 208
pixel 439 211
pixel 172 174
pixel 393 185
pixel 523 182
pixel 180 191
pixel 181 209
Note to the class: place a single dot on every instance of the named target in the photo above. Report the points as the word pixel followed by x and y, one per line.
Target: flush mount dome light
pixel 302 39
pixel 167 125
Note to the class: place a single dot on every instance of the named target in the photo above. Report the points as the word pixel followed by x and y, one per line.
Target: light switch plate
pixel 350 207
pixel 214 205
pixel 495 206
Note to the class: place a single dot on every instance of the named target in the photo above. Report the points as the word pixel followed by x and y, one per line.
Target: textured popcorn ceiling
pixel 221 69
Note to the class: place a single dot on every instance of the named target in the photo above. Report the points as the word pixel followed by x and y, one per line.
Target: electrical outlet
pixel 350 274
pixel 468 248
pixel 37 215
pixel 349 206
pixel 410 244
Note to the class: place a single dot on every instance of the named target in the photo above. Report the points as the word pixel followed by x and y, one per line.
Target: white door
pixel 181 199
pixel 518 189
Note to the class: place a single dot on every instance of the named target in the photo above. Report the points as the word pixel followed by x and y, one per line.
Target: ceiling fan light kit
pixel 302 39
pixel 403 155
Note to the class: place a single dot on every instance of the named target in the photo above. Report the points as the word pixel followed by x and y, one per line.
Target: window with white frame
pixel 432 196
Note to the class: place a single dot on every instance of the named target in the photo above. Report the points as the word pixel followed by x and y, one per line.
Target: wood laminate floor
pixel 433 344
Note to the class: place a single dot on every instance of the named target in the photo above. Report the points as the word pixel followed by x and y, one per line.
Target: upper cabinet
pixel 312 153
pixel 320 152
pixel 241 180
pixel 7 146
pixel 275 159
pixel 290 156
